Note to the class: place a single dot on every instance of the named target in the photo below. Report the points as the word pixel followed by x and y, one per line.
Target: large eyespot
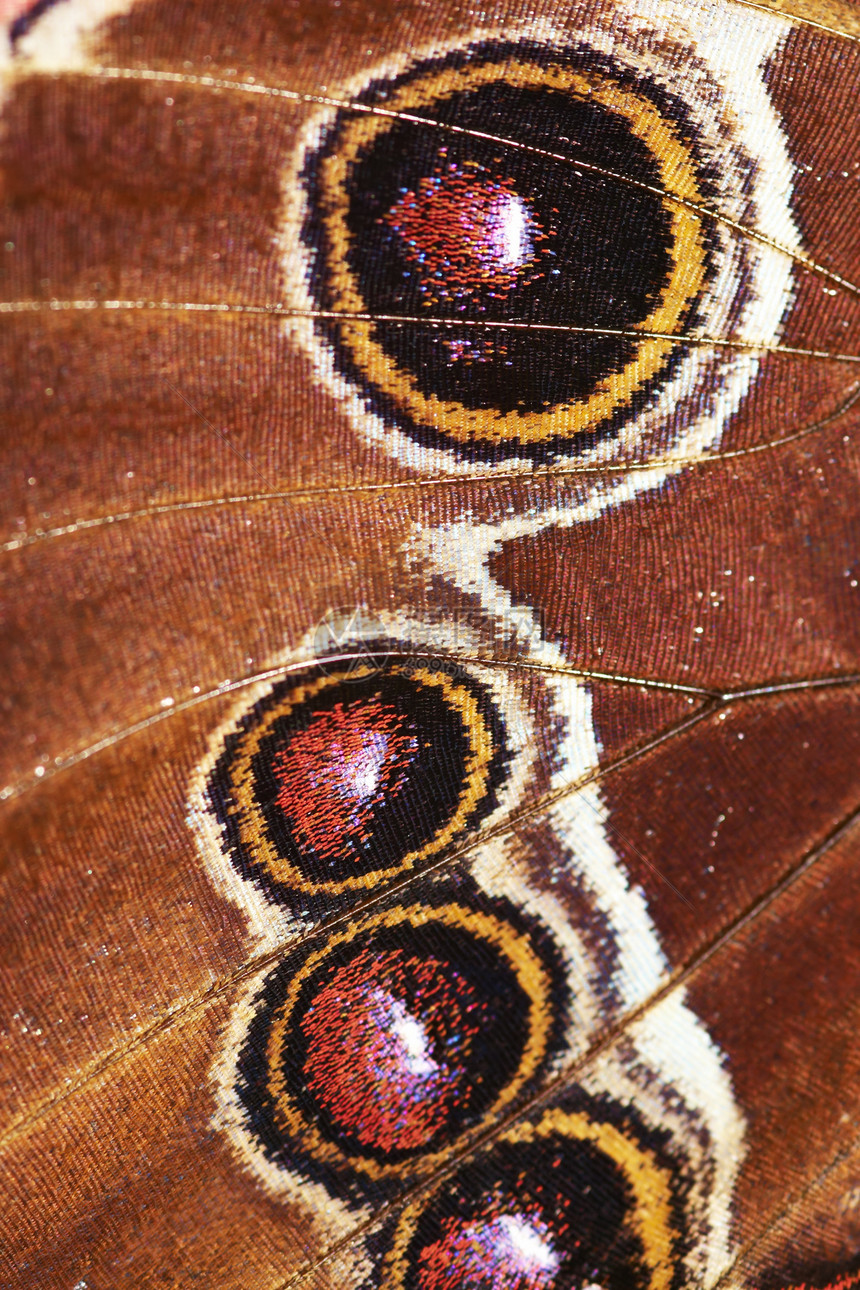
pixel 572 1199
pixel 342 776
pixel 412 220
pixel 510 256
pixel 371 1052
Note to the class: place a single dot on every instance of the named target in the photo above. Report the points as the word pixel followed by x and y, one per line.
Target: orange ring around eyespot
pixel 614 391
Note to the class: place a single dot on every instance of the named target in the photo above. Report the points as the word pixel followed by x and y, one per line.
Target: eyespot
pixel 340 777
pixel 571 1199
pixel 415 221
pixel 371 1053
pixel 485 235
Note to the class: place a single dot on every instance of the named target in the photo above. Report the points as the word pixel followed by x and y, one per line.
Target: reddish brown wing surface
pixel 431 628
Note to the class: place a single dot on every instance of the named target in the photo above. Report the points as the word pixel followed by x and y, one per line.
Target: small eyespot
pixel 342 777
pixel 370 1054
pixel 568 1199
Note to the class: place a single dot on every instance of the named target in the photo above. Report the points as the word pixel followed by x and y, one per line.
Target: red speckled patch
pixel 401 1026
pixel 333 775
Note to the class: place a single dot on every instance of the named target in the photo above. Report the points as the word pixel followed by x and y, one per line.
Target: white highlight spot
pixel 411 1039
pixel 513 243
pixel 526 1248
pixel 359 775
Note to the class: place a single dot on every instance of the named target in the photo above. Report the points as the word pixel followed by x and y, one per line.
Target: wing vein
pixel 280 310
pixel 531 478
pixel 193 1005
pixel 252 87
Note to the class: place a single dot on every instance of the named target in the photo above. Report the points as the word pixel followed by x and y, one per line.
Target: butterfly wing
pixel 430 764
